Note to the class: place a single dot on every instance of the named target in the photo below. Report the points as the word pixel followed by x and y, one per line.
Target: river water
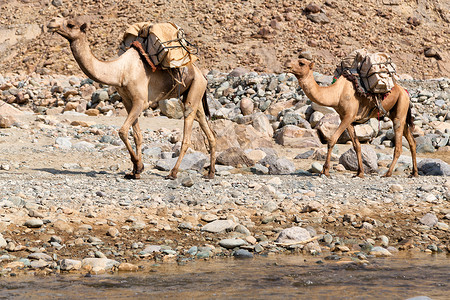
pixel 288 277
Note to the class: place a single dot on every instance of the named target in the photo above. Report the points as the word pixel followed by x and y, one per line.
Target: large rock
pixel 70 264
pixel 315 118
pixel 230 134
pixel 3 242
pixel 191 161
pixel 171 108
pixel 234 157
pixel 369 157
pixel 262 124
pixel 327 126
pixel 246 106
pixel 277 107
pixel 218 226
pixel 8 110
pixel 293 234
pixel 323 109
pixel 294 136
pixel 281 166
pixel 98 265
pixel 6 121
pixel 432 166
pixel 365 132
pixel 292 118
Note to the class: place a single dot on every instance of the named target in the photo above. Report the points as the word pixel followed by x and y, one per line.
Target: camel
pixel 353 108
pixel 139 88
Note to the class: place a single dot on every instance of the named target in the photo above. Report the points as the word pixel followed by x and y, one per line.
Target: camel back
pixel 164 43
pixel 376 71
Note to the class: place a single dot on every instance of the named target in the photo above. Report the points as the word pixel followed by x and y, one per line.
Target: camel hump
pixel 165 44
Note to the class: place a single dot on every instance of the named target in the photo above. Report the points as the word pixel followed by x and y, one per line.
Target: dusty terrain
pixel 257 35
pixel 69 209
pixel 89 210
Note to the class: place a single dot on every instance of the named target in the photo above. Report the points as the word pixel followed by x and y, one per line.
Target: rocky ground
pixel 65 206
pixel 258 35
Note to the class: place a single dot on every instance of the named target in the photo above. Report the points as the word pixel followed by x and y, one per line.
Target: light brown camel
pixel 352 108
pixel 139 87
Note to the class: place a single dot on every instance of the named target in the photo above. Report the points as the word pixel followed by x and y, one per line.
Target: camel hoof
pixel 132 176
pixel 413 175
pixel 387 175
pixel 359 175
pixel 208 176
pixel 170 177
pixel 327 175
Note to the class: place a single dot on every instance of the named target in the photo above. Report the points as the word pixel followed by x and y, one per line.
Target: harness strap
pixel 138 46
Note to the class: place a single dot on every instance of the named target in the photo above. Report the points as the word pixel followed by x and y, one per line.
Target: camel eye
pixel 301 64
pixel 70 25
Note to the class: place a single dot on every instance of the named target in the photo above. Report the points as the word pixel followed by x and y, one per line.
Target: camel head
pixel 301 68
pixel 71 29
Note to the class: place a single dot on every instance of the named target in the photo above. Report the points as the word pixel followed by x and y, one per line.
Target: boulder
pixel 292 118
pixel 432 166
pixel 277 107
pixel 246 106
pixel 7 121
pixel 369 157
pixel 293 234
pixel 218 226
pixel 98 265
pixel 234 157
pixel 294 136
pixel 327 126
pixel 171 108
pixel 191 161
pixel 323 109
pixel 281 166
pixel 230 134
pixel 8 110
pixel 262 124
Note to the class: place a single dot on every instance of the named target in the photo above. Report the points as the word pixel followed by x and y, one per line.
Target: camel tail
pixel 409 116
pixel 205 106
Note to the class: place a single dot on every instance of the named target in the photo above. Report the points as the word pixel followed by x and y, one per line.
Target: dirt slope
pixel 259 35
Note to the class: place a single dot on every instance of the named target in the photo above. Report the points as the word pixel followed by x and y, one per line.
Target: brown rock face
pixel 237 33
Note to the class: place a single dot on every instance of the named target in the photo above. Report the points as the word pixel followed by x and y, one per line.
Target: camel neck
pixel 321 95
pixel 99 71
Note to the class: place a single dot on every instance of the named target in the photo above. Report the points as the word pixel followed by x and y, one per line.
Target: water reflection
pixel 290 277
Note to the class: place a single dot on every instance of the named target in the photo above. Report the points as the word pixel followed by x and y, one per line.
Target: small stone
pixel 34 223
pixel 242 253
pixel 384 240
pixel 442 226
pixel 232 243
pixel 113 232
pixel 70 264
pixel 395 188
pixel 379 251
pixel 127 267
pixel 429 220
pixel 219 226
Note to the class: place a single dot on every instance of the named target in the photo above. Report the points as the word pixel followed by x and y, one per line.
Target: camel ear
pixel 311 65
pixel 84 27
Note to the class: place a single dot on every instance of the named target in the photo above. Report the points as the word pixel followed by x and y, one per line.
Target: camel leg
pixel 398 130
pixel 204 125
pixel 138 168
pixel 132 120
pixel 191 106
pixel 345 122
pixel 412 147
pixel 357 147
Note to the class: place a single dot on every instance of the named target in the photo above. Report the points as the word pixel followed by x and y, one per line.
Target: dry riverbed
pixel 70 210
